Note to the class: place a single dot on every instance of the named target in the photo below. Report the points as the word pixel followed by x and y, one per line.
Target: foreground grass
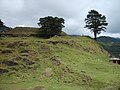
pixel 58 63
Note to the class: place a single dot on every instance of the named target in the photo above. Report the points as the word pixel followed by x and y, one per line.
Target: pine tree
pixel 96 22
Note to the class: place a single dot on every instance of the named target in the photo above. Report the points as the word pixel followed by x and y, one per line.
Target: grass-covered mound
pixel 21 31
pixel 25 31
pixel 58 63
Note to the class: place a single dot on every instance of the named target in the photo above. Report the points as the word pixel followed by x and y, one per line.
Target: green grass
pixel 60 63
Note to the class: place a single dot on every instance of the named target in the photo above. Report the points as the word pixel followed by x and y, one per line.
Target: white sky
pixel 27 13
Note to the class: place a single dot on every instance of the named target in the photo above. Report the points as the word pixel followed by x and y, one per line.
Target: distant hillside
pixel 112 45
pixel 108 39
pixel 57 63
pixel 118 39
pixel 4 28
pixel 24 31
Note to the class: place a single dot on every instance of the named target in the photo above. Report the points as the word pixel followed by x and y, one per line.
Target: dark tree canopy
pixel 96 22
pixel 1 23
pixel 51 25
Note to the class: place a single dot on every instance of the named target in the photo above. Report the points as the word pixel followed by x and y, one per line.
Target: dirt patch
pixel 39 88
pixel 24 51
pixel 30 52
pixel 10 63
pixel 23 44
pixel 6 51
pixel 55 61
pixel 27 61
pixel 2 43
pixel 87 79
pixel 44 49
pixel 17 58
pixel 26 55
pixel 57 42
pixel 67 43
pixel 3 71
pixel 16 44
pixel 48 72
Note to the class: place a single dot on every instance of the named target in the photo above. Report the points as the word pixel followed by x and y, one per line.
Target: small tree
pixel 95 22
pixel 51 25
pixel 1 23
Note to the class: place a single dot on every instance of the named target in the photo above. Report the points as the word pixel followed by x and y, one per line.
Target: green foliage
pixel 96 22
pixel 3 27
pixel 51 25
pixel 1 23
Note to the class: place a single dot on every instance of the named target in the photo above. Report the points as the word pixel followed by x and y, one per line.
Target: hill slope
pixel 58 63
pixel 3 28
pixel 112 45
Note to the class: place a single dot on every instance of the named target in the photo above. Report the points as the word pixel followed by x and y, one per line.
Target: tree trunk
pixel 95 35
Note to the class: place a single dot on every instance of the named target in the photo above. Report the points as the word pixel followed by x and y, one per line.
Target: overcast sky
pixel 27 13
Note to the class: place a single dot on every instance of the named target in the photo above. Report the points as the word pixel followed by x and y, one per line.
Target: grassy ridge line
pixel 60 63
pixel 22 30
pixel 25 31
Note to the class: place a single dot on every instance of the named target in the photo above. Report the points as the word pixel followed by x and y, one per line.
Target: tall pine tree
pixel 96 22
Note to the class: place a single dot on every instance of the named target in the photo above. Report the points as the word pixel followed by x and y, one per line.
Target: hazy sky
pixel 27 13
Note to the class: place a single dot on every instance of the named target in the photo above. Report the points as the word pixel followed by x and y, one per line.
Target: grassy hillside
pixel 58 63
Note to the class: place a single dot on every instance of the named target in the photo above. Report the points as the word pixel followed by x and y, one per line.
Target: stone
pixel 48 72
